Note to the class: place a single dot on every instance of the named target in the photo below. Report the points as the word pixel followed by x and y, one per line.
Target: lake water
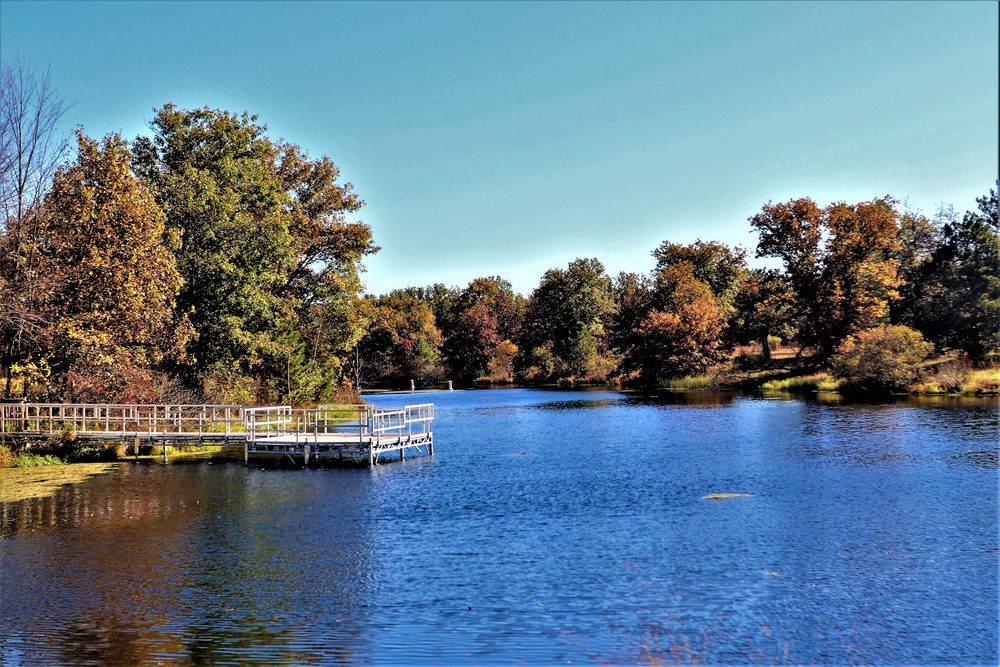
pixel 550 527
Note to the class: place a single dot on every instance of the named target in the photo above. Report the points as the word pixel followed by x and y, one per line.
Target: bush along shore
pixel 791 373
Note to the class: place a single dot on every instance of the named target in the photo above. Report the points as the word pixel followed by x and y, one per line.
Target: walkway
pixel 359 433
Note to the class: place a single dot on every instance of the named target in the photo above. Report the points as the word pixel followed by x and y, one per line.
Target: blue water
pixel 549 527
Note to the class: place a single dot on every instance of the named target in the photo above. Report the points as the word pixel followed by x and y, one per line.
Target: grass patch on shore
pixel 983 381
pixel 802 384
pixel 36 461
pixel 691 383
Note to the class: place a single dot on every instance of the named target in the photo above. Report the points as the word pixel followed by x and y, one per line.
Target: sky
pixel 510 138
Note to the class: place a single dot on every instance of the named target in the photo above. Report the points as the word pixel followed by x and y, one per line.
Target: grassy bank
pixel 787 372
pixel 48 454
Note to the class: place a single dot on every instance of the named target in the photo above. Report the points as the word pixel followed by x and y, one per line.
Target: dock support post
pixel 371 455
pixel 306 450
pixel 246 452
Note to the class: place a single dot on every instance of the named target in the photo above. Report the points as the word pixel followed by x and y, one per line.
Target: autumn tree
pixel 839 261
pixel 682 332
pixel 443 301
pixel 860 273
pixel 473 344
pixel 881 359
pixel 403 343
pixel 111 256
pixel 488 321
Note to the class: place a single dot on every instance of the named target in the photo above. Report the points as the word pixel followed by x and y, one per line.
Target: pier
pixel 348 433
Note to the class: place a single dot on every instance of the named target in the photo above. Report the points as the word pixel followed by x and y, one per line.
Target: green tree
pixel 763 307
pixel 633 299
pixel 958 300
pixel 567 315
pixel 715 264
pixel 918 239
pixel 212 171
pixel 266 246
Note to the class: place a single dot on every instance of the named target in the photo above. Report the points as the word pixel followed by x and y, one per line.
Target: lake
pixel 549 527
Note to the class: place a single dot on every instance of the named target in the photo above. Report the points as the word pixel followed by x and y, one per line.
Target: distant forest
pixel 208 262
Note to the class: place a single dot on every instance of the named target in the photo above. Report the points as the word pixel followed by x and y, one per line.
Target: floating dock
pixel 350 433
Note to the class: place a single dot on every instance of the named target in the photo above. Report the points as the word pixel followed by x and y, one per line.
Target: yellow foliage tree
pixel 114 277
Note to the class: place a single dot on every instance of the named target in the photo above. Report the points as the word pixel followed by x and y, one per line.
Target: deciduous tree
pixel 31 149
pixel 839 261
pixel 106 244
pixel 682 333
pixel 567 315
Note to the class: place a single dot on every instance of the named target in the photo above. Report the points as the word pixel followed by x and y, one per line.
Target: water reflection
pixel 190 564
pixel 549 527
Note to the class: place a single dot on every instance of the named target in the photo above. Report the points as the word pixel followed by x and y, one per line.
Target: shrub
pixel 882 359
pixel 952 375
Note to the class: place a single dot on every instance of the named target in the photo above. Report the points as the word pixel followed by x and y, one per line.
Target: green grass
pixel 36 460
pixel 802 384
pixel 691 382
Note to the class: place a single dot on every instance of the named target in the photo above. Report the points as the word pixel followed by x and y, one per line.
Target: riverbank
pixel 48 455
pixel 787 373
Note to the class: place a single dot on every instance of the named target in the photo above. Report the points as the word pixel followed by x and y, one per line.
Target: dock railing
pixel 111 420
pixel 414 419
pixel 268 428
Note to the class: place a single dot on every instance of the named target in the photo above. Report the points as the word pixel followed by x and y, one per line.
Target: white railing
pixel 255 424
pixel 113 419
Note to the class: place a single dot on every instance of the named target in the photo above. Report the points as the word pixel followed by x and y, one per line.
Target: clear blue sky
pixel 505 139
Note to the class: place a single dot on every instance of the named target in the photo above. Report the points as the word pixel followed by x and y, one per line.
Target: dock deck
pixel 357 433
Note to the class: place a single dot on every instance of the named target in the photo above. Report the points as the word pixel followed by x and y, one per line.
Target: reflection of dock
pixel 358 433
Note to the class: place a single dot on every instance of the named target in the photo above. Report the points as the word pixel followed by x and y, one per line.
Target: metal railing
pixel 106 419
pixel 279 425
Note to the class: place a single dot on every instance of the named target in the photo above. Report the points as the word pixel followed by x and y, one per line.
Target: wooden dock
pixel 354 433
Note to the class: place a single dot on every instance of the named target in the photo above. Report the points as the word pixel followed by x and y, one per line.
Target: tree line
pixel 210 262
pixel 869 271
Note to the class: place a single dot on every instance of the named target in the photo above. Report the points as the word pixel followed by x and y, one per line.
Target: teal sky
pixel 509 138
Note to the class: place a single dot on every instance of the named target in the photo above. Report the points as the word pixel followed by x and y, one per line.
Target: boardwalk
pixel 359 433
